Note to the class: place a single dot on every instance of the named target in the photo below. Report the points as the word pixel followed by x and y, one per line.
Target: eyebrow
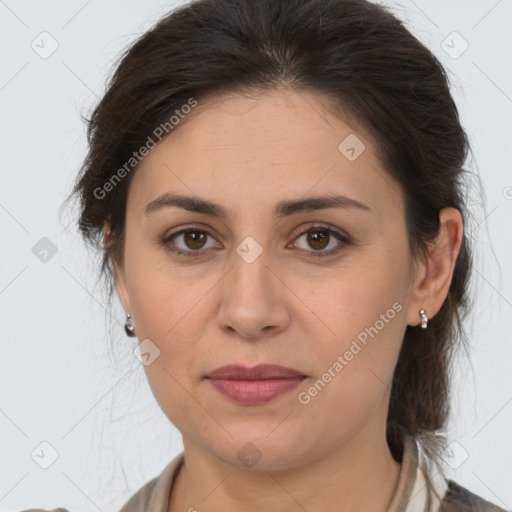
pixel 281 209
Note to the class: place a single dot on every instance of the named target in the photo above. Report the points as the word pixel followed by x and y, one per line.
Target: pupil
pixel 196 238
pixel 316 237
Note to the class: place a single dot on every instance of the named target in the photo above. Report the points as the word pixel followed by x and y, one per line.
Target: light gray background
pixel 58 383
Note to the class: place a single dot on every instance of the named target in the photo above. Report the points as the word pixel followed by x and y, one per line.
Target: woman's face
pixel 254 290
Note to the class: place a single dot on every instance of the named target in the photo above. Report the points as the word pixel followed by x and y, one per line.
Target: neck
pixel 356 476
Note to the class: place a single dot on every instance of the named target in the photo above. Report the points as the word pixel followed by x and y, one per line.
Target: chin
pixel 263 451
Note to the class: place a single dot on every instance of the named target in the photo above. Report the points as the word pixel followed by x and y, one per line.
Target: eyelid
pixel 188 227
pixel 321 225
pixel 302 230
pixel 343 238
pixel 167 238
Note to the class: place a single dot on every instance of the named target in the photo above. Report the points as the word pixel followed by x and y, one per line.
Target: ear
pixel 119 276
pixel 434 274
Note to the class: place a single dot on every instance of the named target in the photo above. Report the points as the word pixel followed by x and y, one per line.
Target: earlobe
pixel 437 270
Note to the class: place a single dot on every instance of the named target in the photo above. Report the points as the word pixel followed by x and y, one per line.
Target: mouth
pixel 256 385
pixel 259 372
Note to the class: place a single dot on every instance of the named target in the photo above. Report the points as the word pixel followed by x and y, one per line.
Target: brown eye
pixel 194 239
pixel 193 242
pixel 188 242
pixel 319 238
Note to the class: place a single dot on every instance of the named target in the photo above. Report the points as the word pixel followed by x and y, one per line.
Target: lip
pixel 259 372
pixel 256 385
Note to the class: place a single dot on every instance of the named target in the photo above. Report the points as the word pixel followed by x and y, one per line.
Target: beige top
pixel 410 493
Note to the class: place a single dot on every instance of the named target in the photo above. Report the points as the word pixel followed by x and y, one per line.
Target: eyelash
pixel 345 241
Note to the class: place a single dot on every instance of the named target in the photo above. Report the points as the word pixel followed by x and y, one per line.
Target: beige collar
pixel 411 492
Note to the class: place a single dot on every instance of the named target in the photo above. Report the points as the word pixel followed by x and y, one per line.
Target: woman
pixel 277 191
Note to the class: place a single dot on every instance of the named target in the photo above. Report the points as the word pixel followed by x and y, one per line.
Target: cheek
pixel 362 320
pixel 169 315
pixel 356 364
pixel 171 390
pixel 166 296
pixel 349 302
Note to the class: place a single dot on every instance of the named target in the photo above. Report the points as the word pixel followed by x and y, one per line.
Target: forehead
pixel 243 149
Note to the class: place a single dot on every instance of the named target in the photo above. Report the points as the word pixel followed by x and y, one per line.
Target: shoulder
pixel 154 495
pixel 140 500
pixel 44 510
pixel 460 499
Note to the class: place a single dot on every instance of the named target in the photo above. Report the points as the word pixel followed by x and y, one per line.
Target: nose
pixel 253 301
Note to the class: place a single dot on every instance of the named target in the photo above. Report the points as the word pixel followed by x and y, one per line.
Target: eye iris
pixel 197 237
pixel 313 238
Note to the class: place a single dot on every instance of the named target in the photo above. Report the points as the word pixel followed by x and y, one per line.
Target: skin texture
pixel 247 153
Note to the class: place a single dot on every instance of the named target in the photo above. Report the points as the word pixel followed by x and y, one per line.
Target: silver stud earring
pixel 129 326
pixel 424 319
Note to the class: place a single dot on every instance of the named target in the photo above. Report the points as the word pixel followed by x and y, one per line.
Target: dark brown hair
pixel 358 53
